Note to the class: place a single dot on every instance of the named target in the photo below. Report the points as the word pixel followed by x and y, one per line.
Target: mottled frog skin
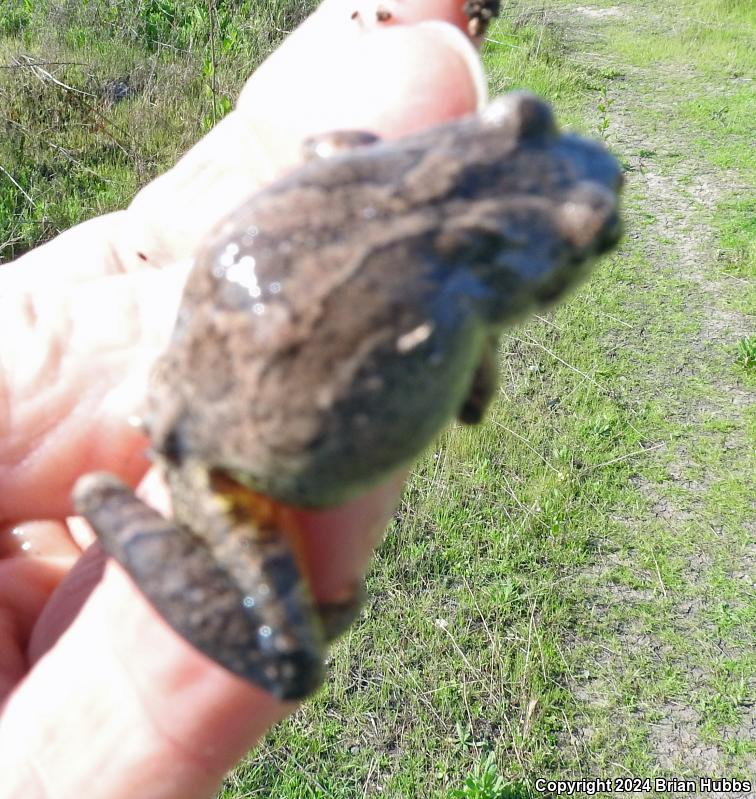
pixel 331 326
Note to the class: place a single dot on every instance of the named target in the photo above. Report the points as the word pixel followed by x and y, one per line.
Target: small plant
pixel 465 738
pixel 220 104
pixel 15 16
pixel 486 783
pixel 603 107
pixel 746 356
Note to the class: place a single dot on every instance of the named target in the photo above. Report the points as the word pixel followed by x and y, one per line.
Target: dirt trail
pixel 671 204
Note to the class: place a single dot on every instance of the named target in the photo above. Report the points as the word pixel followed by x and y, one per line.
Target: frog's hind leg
pixel 254 618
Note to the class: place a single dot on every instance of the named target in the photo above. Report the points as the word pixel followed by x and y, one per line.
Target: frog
pixel 330 327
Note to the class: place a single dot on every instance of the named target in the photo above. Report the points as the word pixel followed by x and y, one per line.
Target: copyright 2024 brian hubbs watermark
pixel 643 785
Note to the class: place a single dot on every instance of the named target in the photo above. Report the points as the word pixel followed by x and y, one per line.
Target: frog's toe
pixel 90 489
pixel 337 617
pixel 288 676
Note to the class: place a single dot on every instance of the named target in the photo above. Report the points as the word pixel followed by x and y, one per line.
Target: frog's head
pixel 545 208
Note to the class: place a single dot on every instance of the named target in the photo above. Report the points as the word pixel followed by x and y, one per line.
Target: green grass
pixel 568 581
pixel 69 153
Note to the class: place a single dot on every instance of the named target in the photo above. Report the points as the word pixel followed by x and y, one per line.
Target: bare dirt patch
pixel 601 13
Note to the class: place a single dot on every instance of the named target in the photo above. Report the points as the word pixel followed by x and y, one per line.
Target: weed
pixel 466 737
pixel 603 109
pixel 746 356
pixel 15 16
pixel 487 783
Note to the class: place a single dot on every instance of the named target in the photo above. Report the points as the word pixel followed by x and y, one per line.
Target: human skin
pixel 101 698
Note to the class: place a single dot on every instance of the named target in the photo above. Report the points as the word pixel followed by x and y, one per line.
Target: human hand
pixel 102 699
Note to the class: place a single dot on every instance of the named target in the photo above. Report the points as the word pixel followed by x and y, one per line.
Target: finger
pixel 35 557
pixel 74 370
pixel 40 539
pixel 388 80
pixel 143 710
pixel 338 543
pixel 424 55
pixel 70 404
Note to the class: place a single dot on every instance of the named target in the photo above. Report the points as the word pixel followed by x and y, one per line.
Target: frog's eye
pixel 589 216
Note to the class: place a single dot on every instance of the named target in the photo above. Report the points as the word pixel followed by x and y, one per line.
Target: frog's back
pixel 336 319
pixel 303 342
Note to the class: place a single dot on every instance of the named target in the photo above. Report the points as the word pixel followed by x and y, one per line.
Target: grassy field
pixel 98 97
pixel 566 591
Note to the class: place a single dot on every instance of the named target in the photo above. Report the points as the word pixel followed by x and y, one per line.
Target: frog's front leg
pixel 483 386
pixel 234 589
pixel 335 142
